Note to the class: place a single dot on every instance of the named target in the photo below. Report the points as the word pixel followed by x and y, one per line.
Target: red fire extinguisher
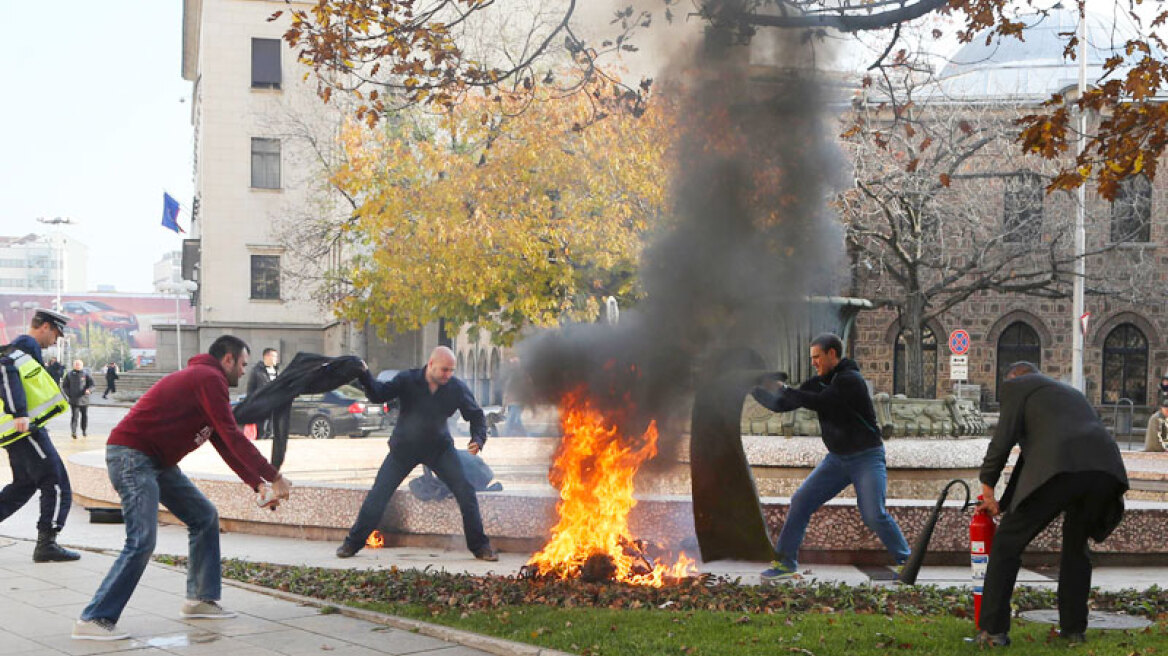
pixel 981 540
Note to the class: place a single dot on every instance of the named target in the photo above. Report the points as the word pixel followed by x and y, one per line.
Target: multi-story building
pixel 257 121
pixel 168 269
pixel 41 263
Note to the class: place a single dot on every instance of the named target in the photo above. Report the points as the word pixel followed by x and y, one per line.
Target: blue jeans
pixel 142 484
pixel 866 470
pixel 397 465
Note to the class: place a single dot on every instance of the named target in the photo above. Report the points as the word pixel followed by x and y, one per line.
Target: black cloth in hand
pixel 308 373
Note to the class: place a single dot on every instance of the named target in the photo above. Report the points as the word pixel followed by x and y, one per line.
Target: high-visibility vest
pixel 42 395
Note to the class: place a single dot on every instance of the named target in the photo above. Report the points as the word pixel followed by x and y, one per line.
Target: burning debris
pixel 593 470
pixel 375 541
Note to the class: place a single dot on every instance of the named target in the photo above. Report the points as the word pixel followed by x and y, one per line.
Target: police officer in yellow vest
pixel 28 402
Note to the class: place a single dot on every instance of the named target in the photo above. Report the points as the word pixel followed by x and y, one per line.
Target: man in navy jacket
pixel 429 396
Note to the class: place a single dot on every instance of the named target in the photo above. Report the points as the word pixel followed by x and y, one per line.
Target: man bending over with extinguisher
pixel 1069 464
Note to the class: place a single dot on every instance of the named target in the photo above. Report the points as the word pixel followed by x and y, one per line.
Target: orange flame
pixel 376 540
pixel 593 470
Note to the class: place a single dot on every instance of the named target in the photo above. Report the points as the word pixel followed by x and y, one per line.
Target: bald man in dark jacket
pixel 1069 464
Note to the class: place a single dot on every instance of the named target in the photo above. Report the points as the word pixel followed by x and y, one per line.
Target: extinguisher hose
pixel 912 566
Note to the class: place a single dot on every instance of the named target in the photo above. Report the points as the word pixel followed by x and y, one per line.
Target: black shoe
pixel 487 553
pixel 992 639
pixel 74 435
pixel 347 550
pixel 48 551
pixel 1073 637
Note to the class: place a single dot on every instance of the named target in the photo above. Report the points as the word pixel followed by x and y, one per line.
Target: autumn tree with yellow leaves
pixel 503 216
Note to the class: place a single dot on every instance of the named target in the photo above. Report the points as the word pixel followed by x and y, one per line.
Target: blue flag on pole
pixel 170 213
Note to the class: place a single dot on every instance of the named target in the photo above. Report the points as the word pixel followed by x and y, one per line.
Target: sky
pixel 94 125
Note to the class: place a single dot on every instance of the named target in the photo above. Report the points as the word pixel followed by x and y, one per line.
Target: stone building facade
pixel 1126 337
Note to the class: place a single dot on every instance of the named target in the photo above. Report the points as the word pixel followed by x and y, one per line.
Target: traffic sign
pixel 959 342
pixel 959 367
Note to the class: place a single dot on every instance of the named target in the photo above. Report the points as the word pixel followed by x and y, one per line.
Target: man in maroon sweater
pixel 176 416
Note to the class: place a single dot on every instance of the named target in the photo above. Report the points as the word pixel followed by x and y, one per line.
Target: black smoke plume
pixel 751 237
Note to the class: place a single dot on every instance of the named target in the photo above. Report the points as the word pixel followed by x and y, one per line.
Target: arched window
pixel 483 394
pixel 496 387
pixel 1125 365
pixel 929 354
pixel 1017 342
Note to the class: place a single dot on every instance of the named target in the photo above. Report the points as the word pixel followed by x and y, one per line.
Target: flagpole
pixel 1080 234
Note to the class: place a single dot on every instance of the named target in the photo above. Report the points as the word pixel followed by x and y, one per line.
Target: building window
pixel 1125 365
pixel 1022 208
pixel 1018 342
pixel 265 277
pixel 928 353
pixel 265 163
pixel 265 63
pixel 1131 211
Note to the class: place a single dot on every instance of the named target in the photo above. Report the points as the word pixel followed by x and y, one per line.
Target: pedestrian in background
pixel 111 376
pixel 1156 437
pixel 515 388
pixel 261 376
pixel 77 386
pixel 55 369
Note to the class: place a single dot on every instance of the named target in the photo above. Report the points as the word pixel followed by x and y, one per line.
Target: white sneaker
pixel 208 610
pixel 98 629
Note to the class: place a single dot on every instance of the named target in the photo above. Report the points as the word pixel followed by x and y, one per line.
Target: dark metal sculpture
pixel 727 514
pixel 912 567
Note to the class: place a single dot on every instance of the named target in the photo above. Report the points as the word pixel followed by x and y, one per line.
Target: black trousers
pixel 110 388
pixel 37 466
pixel 279 422
pixel 80 412
pixel 444 461
pixel 1083 496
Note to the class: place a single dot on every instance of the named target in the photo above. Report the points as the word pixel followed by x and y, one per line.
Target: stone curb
pixel 497 646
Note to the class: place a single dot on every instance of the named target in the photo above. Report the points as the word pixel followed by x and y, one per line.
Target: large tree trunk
pixel 914 361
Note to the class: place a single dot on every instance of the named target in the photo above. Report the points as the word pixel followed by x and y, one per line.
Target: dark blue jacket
pixel 11 390
pixel 847 418
pixel 422 422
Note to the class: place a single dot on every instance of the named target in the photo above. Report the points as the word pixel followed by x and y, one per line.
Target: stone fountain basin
pixel 331 479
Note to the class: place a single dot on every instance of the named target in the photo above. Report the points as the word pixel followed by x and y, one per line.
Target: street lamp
pixel 179 288
pixel 24 308
pixel 57 221
pixel 63 346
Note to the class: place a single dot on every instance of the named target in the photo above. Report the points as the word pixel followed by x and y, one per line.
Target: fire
pixel 593 470
pixel 376 540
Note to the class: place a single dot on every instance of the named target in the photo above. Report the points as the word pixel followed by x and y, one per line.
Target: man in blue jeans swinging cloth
pixel 855 455
pixel 175 417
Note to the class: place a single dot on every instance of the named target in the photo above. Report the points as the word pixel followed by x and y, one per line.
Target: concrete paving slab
pixel 294 642
pixel 266 626
pixel 10 643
